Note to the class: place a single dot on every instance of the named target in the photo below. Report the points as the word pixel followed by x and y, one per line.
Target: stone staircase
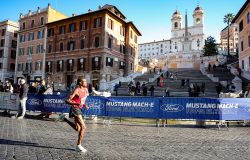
pixel 176 90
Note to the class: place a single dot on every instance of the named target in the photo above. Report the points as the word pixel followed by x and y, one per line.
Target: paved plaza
pixel 46 139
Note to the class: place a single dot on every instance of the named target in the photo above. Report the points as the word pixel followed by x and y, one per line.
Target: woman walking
pixel 77 100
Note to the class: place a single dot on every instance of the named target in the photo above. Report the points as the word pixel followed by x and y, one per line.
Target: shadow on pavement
pixel 21 143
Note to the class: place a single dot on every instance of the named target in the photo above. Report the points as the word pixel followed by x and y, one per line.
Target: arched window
pixel 198 21
pixel 176 25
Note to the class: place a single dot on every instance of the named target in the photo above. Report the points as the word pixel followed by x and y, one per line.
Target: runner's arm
pixel 69 100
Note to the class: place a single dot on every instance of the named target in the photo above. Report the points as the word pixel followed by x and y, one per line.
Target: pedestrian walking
pixel 209 67
pixel 151 89
pixel 167 92
pixel 23 98
pixel 77 100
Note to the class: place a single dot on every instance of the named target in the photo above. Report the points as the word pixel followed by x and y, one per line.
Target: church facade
pixel 185 46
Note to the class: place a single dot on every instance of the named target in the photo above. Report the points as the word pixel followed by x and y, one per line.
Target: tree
pixel 228 19
pixel 210 47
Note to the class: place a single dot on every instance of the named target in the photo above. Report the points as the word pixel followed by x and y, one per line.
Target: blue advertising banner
pixel 147 107
pixel 136 107
pixel 205 108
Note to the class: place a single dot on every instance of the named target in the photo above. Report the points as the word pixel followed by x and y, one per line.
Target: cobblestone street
pixel 40 139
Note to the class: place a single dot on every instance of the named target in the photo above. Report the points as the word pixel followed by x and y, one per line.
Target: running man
pixel 77 100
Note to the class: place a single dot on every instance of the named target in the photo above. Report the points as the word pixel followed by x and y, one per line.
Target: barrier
pixel 147 107
pixel 9 101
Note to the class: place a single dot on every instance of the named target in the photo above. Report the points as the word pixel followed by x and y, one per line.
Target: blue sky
pixel 152 17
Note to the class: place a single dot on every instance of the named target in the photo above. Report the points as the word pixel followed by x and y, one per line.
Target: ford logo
pixel 172 108
pixel 34 102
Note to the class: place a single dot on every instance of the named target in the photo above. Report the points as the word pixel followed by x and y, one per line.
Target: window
pixel 2 43
pixel 13 54
pixel 1 65
pixel 161 51
pixel 70 64
pixel 23 25
pixel 1 53
pixel 122 31
pixel 241 26
pixel 41 20
pixel 32 23
pixel 248 40
pixel 21 51
pixel 96 63
pixel 135 39
pixel 38 66
pixel 61 46
pixel 30 50
pixel 122 65
pixel 97 42
pixel 40 34
pixel 122 47
pixel 38 49
pixel 49 48
pixel 20 67
pixel 60 65
pixel 248 18
pixel 31 36
pixel 198 21
pixel 72 27
pixel 131 34
pixel 176 25
pixel 48 67
pixel 71 45
pixel 62 29
pixel 131 66
pixel 110 24
pixel 98 22
pixel 22 38
pixel 81 64
pixel 242 47
pixel 83 25
pixel 13 44
pixel 82 43
pixel 15 35
pixel 109 61
pixel 3 32
pixel 50 32
pixel 109 42
pixel 28 67
pixel 242 64
pixel 12 66
pixel 248 61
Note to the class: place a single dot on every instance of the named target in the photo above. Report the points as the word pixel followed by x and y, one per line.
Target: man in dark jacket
pixel 23 98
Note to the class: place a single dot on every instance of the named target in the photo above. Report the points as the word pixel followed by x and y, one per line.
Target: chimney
pixel 38 10
pixel 49 5
pixel 89 10
pixel 73 15
pixel 100 7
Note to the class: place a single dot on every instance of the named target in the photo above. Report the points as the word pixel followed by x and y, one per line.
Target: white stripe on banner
pixel 9 101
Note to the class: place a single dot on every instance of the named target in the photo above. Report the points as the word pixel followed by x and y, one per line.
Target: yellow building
pixel 233 38
pixel 242 19
pixel 31 44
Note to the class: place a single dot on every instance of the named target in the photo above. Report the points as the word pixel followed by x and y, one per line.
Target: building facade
pixel 32 36
pixel 154 49
pixel 8 45
pixel 233 38
pixel 242 19
pixel 186 42
pixel 98 45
